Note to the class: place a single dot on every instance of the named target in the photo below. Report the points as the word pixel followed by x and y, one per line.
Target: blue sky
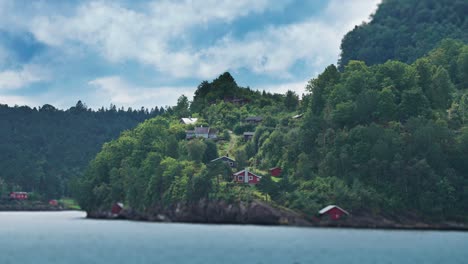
pixel 147 53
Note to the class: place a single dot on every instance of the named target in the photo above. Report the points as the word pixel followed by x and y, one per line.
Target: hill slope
pixel 385 139
pixel 405 30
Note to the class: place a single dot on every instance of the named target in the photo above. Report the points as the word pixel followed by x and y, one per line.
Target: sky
pixel 135 53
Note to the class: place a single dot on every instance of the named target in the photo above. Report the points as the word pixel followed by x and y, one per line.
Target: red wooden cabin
pixel 275 172
pixel 333 212
pixel 116 208
pixel 246 176
pixel 19 195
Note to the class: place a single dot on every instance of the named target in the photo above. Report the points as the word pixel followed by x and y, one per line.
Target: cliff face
pixel 219 212
pixel 260 213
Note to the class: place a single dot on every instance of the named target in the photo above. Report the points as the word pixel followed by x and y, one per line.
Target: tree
pixel 441 88
pixel 196 150
pixel 182 107
pixel 211 151
pixel 386 106
pixel 291 101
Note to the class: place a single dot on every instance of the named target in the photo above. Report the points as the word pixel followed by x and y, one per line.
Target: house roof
pixel 328 208
pixel 189 120
pixel 254 118
pixel 202 130
pixel 213 131
pixel 297 116
pixel 223 157
pixel 274 168
pixel 249 133
pixel 242 172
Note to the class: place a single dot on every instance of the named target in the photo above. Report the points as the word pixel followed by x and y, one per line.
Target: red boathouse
pixel 334 212
pixel 247 177
pixel 19 195
pixel 116 208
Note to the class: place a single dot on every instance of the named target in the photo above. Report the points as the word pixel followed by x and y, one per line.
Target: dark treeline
pixel 405 30
pixel 42 148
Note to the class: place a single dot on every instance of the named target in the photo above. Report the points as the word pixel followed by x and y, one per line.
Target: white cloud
pixel 114 89
pixel 12 100
pixel 275 50
pixel 147 36
pixel 15 79
pixel 121 34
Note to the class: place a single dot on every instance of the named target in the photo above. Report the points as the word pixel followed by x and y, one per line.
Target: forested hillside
pixel 41 149
pixel 154 165
pixel 390 138
pixel 405 30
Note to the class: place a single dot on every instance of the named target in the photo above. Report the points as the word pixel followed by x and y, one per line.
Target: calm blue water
pixel 66 237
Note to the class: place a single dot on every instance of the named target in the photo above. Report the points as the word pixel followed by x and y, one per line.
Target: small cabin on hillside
pixel 232 163
pixel 275 172
pixel 202 132
pixel 247 177
pixel 188 121
pixel 298 116
pixel 236 101
pixel 248 135
pixel 254 119
pixel 333 212
pixel 19 196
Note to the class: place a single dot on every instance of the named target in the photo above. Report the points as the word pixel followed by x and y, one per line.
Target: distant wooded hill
pixel 405 30
pixel 42 148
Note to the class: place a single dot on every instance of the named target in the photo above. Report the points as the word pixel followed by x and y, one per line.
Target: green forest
pixel 383 132
pixel 405 30
pixel 388 137
pixel 41 149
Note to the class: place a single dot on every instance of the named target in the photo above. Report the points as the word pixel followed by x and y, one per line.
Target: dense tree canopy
pixel 379 138
pixel 41 149
pixel 405 30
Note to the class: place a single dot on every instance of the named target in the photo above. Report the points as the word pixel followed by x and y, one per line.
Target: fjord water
pixel 67 237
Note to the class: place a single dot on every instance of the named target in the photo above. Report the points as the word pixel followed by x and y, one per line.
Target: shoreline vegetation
pixel 260 213
pixel 36 205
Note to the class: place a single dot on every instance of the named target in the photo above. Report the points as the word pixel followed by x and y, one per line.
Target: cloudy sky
pixel 146 53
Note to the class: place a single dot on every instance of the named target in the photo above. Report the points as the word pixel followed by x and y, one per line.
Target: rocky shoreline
pixel 28 206
pixel 260 213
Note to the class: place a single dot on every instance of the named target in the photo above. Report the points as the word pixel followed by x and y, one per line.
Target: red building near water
pixel 116 208
pixel 333 212
pixel 19 195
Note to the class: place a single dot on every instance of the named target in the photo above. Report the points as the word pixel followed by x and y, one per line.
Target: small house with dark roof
pixel 189 134
pixel 247 177
pixel 248 135
pixel 232 163
pixel 275 172
pixel 254 119
pixel 334 212
pixel 202 132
